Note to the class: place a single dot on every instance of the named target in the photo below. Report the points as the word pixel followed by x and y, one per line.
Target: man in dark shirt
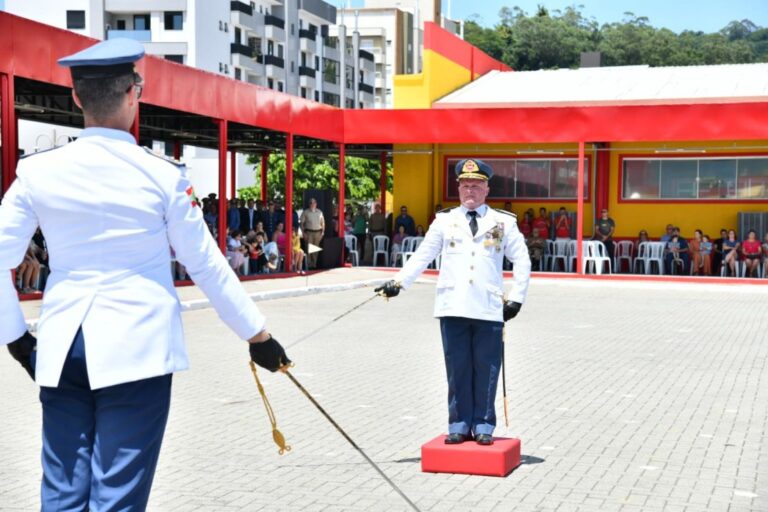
pixel 405 220
pixel 604 228
pixel 717 253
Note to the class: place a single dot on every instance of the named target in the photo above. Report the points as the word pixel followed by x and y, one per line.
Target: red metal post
pixel 264 166
pixel 232 174
pixel 383 183
pixel 135 127
pixel 342 186
pixel 603 162
pixel 580 210
pixel 177 150
pixel 288 201
pixel 8 131
pixel 223 185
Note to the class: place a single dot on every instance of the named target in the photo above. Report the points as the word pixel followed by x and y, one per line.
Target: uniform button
pixel 471 281
pixel 473 253
pixel 471 267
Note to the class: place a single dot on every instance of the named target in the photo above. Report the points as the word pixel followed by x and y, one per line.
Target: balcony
pixel 365 88
pixel 242 49
pixel 307 34
pixel 271 60
pixel 138 35
pixel 274 21
pixel 241 7
pixel 307 71
pixel 366 55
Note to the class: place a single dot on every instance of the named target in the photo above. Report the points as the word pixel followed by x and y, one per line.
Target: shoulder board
pixel 40 152
pixel 446 210
pixel 163 157
pixel 505 212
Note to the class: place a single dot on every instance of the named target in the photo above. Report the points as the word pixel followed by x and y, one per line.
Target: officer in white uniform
pixel 110 333
pixel 473 240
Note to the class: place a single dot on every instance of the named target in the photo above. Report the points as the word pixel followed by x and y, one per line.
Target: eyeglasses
pixel 138 85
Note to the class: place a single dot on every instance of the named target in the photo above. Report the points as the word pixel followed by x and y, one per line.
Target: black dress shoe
pixel 456 438
pixel 484 439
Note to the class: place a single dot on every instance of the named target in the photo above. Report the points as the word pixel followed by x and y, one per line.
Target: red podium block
pixel 470 458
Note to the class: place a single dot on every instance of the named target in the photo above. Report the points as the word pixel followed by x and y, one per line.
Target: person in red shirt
pixel 542 223
pixel 752 250
pixel 563 224
pixel 526 226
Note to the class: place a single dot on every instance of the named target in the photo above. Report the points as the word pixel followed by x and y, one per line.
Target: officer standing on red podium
pixel 110 334
pixel 472 240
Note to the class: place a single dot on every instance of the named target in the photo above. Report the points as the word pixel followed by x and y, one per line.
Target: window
pixel 238 35
pixel 280 86
pixel 238 74
pixel 303 92
pixel 141 22
pixel 174 20
pixel 270 83
pixel 270 48
pixel 695 178
pixel 527 178
pixel 75 19
pixel 317 95
pixel 317 63
pixel 175 58
pixel 120 24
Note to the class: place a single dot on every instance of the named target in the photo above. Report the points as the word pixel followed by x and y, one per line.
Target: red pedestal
pixel 470 458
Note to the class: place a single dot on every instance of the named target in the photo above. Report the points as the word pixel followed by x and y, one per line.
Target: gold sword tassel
pixel 277 436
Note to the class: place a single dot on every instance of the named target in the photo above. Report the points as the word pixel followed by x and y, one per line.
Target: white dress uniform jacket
pixel 470 283
pixel 110 211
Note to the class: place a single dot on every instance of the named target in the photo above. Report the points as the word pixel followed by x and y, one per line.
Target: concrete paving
pixel 627 396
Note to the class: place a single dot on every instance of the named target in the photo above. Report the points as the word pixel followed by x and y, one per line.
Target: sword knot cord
pixel 277 436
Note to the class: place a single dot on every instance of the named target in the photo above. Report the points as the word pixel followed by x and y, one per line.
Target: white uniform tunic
pixel 110 211
pixel 470 283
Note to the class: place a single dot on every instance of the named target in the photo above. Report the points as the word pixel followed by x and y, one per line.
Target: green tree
pixel 320 172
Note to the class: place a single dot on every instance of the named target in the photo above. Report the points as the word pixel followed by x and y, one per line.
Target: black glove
pixel 511 309
pixel 21 350
pixel 388 289
pixel 269 354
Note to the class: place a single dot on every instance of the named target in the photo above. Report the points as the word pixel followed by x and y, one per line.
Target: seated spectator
pixel 542 223
pixel 701 261
pixel 707 250
pixel 259 258
pixel 525 225
pixel 397 241
pixel 536 247
pixel 604 229
pixel 420 230
pixel 717 249
pixel 731 252
pixel 272 254
pixel 765 255
pixel 668 233
pixel 642 236
pixel 236 252
pixel 563 224
pixel 297 260
pixel 405 220
pixel 280 238
pixel 752 250
pixel 29 270
pixel 678 257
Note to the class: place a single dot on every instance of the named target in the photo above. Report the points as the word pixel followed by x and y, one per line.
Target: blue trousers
pixel 100 447
pixel 472 350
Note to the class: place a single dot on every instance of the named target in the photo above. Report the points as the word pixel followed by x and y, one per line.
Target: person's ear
pixel 76 99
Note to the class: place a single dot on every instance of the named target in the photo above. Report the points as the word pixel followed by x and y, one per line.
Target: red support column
pixel 342 185
pixel 8 132
pixel 264 167
pixel 135 127
pixel 222 185
pixel 232 174
pixel 288 201
pixel 580 210
pixel 602 183
pixel 177 150
pixel 383 183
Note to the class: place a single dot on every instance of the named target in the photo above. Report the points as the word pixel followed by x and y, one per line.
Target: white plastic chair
pixel 549 254
pixel 411 249
pixel 597 255
pixel 398 256
pixel 640 259
pixel 559 253
pixel 351 242
pixel 570 254
pixel 623 252
pixel 654 253
pixel 381 246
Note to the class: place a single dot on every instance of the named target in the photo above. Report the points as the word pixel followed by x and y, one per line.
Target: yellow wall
pixel 653 217
pixel 439 77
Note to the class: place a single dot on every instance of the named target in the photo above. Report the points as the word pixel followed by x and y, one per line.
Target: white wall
pixel 53 12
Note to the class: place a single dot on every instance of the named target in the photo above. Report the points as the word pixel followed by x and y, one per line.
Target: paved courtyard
pixel 627 396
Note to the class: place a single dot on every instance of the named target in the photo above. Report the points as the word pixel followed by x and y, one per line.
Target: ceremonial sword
pixel 278 437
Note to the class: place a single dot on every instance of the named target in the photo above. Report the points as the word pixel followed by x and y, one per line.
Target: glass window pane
pixel 717 178
pixel 678 179
pixel 532 178
pixel 641 179
pixel 503 183
pixel 753 178
pixel 564 178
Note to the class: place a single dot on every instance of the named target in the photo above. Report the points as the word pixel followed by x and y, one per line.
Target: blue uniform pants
pixel 472 350
pixel 100 447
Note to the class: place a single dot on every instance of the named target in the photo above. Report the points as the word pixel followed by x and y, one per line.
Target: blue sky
pixel 676 15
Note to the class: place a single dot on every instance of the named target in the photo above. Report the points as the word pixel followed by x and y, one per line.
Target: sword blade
pixel 349 439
